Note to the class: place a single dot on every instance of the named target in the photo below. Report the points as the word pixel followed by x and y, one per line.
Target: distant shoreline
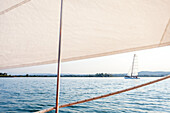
pixel 71 76
pixel 141 74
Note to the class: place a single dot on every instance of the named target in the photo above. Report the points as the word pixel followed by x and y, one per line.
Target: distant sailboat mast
pixel 133 64
pixel 133 73
pixel 134 70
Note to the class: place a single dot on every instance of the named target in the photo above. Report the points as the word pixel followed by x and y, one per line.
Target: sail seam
pixel 163 36
pixel 87 56
pixel 116 52
pixel 14 6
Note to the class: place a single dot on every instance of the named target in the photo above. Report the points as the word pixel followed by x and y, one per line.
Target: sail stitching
pixel 14 6
pixel 163 36
pixel 88 56
pixel 116 52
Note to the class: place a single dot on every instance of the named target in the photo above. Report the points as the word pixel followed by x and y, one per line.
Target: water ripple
pixel 32 94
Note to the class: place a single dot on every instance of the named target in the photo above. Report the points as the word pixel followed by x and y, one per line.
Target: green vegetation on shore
pixel 141 74
pixel 4 75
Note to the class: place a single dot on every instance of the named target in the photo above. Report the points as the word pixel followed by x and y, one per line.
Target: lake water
pixel 26 95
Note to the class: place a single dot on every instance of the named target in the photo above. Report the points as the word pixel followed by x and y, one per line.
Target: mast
pixel 133 64
pixel 59 61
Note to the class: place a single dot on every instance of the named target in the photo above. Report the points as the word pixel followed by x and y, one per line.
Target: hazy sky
pixel 157 59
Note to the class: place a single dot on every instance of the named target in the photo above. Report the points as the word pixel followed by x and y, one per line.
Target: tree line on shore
pixel 4 75
pixel 78 75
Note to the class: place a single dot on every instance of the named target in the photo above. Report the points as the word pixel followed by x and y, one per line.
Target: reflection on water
pixel 32 94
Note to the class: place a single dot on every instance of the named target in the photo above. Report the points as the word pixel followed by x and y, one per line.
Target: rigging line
pixel 14 6
pixel 103 96
pixel 168 24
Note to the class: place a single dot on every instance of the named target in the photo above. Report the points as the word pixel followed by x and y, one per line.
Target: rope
pixel 103 96
pixel 14 6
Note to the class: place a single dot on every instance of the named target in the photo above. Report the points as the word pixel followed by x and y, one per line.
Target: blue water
pixel 26 95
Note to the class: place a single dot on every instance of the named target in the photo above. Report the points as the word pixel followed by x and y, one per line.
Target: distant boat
pixel 133 74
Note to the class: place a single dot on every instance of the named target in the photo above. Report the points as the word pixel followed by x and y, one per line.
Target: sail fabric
pixel 29 29
pixel 134 67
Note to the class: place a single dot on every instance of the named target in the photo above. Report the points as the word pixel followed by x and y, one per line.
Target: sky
pixel 157 59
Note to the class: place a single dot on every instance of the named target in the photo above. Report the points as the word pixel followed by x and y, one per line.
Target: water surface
pixel 26 95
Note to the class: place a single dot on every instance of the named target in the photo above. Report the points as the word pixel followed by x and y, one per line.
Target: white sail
pixel 133 71
pixel 91 28
pixel 135 66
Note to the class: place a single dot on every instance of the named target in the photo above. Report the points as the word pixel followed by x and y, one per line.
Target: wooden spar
pixel 46 110
pixel 59 60
pixel 103 96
